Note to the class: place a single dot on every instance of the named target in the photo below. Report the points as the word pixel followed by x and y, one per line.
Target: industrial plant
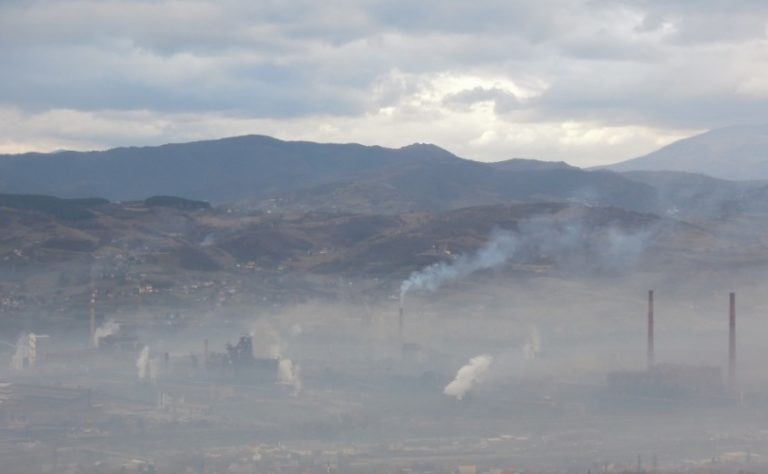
pixel 354 384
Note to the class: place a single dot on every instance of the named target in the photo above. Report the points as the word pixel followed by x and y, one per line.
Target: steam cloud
pixel 468 376
pixel 276 347
pixel 109 328
pixel 532 346
pixel 22 353
pixel 289 375
pixel 143 364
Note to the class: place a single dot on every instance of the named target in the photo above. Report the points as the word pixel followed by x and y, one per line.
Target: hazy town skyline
pixel 586 81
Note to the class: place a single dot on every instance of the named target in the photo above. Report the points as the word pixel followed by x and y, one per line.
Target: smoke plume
pixel 208 241
pixel 289 375
pixel 566 243
pixel 143 363
pixel 21 355
pixel 288 372
pixel 468 376
pixel 109 328
pixel 532 346
pixel 276 347
pixel 496 252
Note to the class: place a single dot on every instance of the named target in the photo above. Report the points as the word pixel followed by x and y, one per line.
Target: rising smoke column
pixel 143 363
pixel 288 372
pixel 468 376
pixel 532 346
pixel 21 355
pixel 497 251
pixel 289 375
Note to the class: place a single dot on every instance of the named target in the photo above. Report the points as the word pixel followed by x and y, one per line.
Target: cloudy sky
pixel 586 81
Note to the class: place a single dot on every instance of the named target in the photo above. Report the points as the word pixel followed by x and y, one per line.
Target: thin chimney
pixel 205 354
pixel 732 342
pixel 400 323
pixel 93 318
pixel 651 342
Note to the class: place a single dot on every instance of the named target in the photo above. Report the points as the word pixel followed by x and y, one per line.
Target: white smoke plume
pixel 582 246
pixel 565 242
pixel 276 347
pixel 25 355
pixel 496 252
pixel 289 374
pixel 21 355
pixel 143 364
pixel 532 346
pixel 109 328
pixel 468 376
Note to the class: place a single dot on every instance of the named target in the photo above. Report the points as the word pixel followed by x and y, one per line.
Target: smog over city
pixel 391 237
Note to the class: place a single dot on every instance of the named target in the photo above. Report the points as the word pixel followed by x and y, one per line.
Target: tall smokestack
pixel 732 342
pixel 93 318
pixel 205 354
pixel 651 341
pixel 400 323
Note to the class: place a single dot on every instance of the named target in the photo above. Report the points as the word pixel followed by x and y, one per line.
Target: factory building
pixel 668 381
pixel 673 381
pixel 30 404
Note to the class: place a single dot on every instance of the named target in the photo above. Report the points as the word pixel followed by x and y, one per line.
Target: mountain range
pixel 292 218
pixel 261 169
pixel 209 239
pixel 259 172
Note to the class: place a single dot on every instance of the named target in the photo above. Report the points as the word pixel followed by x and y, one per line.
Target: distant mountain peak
pixel 527 164
pixel 425 147
pixel 428 150
pixel 738 152
pixel 420 145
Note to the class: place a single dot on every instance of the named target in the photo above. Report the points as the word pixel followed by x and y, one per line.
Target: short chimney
pixel 732 342
pixel 651 341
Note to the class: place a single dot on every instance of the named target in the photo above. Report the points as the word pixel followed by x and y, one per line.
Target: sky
pixel 589 82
